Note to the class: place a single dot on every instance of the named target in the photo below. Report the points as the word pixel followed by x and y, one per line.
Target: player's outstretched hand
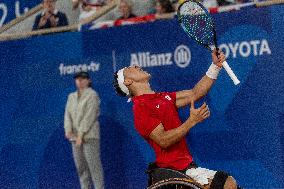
pixel 218 60
pixel 200 114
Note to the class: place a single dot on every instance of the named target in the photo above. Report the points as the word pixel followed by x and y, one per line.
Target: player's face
pixel 136 74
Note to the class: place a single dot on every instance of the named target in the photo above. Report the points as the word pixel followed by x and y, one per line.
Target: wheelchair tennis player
pixel 157 121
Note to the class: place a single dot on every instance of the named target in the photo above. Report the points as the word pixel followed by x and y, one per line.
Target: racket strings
pixel 197 23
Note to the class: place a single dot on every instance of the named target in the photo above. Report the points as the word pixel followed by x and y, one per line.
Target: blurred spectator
pixel 125 9
pixel 164 6
pixel 225 2
pixel 152 8
pixel 210 3
pixel 88 7
pixel 50 16
pixel 175 4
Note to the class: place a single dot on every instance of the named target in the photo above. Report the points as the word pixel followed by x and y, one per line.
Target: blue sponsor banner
pixel 10 9
pixel 244 135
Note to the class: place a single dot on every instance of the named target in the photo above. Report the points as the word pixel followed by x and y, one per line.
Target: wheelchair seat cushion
pixel 201 175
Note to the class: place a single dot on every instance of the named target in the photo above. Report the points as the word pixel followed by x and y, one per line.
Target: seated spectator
pixel 88 7
pixel 210 3
pixel 50 17
pixel 164 6
pixel 125 8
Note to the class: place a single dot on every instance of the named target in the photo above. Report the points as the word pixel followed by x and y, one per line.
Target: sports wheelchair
pixel 163 178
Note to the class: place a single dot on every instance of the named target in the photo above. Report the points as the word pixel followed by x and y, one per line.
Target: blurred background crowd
pixel 92 14
pixel 128 11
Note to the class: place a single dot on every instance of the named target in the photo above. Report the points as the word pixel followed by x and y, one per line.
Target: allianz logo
pixel 72 69
pixel 246 48
pixel 181 57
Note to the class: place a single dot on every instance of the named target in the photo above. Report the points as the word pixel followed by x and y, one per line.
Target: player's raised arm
pixel 184 97
pixel 167 138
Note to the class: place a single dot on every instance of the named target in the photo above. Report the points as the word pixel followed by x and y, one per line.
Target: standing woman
pixel 82 129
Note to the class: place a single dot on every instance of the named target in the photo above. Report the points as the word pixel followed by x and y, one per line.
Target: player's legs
pixel 92 155
pixel 230 183
pixel 223 180
pixel 82 167
pixel 212 179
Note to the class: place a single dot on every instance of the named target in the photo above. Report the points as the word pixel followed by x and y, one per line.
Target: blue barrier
pixel 244 135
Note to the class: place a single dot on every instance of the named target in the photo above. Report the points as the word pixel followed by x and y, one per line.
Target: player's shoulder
pixel 168 95
pixel 143 108
pixel 165 93
pixel 140 106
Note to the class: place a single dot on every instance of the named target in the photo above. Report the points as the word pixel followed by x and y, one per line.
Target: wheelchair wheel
pixel 176 183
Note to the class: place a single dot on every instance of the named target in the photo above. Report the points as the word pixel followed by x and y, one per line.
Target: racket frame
pixel 206 11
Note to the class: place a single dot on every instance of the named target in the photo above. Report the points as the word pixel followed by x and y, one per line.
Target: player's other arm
pixel 184 97
pixel 166 139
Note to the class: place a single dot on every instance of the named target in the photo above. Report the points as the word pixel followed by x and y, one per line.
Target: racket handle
pixel 231 73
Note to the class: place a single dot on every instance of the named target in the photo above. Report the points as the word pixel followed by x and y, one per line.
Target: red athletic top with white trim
pixel 149 111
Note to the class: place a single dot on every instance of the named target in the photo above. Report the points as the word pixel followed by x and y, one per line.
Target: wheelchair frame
pixel 163 177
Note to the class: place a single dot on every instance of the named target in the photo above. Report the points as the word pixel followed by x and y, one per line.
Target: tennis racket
pixel 197 22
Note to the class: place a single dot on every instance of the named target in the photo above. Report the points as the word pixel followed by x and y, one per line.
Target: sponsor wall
pixel 10 9
pixel 244 135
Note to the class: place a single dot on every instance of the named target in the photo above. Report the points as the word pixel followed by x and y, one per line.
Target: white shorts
pixel 201 175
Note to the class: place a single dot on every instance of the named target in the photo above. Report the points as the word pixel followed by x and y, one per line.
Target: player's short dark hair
pixel 116 86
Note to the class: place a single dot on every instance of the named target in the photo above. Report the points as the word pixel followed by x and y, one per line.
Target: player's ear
pixel 127 82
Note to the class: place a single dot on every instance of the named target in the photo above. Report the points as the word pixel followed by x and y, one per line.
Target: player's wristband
pixel 213 71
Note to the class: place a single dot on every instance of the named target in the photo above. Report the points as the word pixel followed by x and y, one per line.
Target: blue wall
pixel 244 135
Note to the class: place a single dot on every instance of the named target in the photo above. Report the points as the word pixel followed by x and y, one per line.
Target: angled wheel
pixel 176 183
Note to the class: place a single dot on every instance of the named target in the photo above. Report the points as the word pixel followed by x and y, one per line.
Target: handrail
pixel 165 16
pixel 5 37
pixel 268 3
pixel 234 7
pixel 20 18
